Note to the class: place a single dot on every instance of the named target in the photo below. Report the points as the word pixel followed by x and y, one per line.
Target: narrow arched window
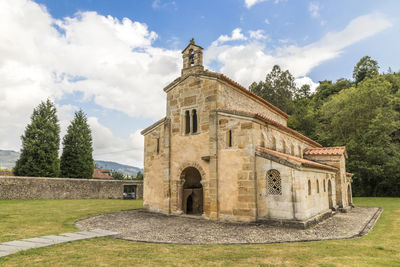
pixel 317 187
pixel 324 186
pixel 229 143
pixel 158 145
pixel 274 182
pixel 300 152
pixel 309 187
pixel 262 141
pixel 283 146
pixel 187 122
pixel 273 147
pixel 191 57
pixel 194 120
pixel 292 150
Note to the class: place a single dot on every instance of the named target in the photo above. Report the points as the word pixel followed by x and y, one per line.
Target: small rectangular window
pixel 158 145
pixel 229 138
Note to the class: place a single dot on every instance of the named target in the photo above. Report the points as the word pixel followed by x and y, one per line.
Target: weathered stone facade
pixel 13 187
pixel 218 143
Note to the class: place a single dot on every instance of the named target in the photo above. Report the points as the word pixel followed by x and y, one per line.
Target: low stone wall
pixel 12 187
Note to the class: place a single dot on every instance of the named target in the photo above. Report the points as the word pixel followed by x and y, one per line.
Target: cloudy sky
pixel 113 58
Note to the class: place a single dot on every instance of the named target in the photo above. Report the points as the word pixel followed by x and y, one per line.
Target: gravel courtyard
pixel 140 225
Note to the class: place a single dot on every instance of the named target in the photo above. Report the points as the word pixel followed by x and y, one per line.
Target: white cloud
pixel 111 62
pixel 258 35
pixel 65 114
pixel 284 41
pixel 251 60
pixel 313 8
pixel 109 147
pixel 300 81
pixel 266 21
pixel 250 3
pixel 157 4
pixel 236 35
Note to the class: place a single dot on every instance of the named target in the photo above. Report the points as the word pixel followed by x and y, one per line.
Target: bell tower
pixel 192 57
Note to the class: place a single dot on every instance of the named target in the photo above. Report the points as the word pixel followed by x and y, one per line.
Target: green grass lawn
pixel 32 218
pixel 21 219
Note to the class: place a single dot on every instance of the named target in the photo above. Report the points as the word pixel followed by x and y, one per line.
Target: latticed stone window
pixel 274 182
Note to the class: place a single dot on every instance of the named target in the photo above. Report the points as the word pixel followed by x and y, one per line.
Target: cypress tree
pixel 77 159
pixel 40 144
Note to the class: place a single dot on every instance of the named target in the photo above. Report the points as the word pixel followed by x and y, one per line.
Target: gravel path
pixel 140 225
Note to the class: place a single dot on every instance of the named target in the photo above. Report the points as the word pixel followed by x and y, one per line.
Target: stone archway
pixel 330 194
pixel 192 191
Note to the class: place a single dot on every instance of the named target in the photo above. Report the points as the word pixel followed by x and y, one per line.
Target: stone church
pixel 226 154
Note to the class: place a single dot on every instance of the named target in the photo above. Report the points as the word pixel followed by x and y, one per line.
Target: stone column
pixel 166 151
pixel 211 194
pixel 180 195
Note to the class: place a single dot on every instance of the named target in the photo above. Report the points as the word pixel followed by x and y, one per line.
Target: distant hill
pixel 9 157
pixel 125 169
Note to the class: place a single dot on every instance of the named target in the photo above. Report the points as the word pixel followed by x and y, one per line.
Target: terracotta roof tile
pixel 248 92
pixel 101 174
pixel 231 82
pixel 237 85
pixel 296 160
pixel 327 151
pixel 276 124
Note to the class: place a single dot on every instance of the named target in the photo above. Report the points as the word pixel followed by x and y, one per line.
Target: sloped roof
pixel 224 78
pixel 293 160
pixel 271 122
pixel 151 127
pixel 192 43
pixel 327 151
pixel 101 174
pixel 6 173
pixel 248 92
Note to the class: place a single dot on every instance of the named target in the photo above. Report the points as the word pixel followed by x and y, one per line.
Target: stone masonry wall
pixel 194 93
pixel 12 187
pixel 294 203
pixel 341 179
pixel 153 168
pixel 231 98
pixel 236 194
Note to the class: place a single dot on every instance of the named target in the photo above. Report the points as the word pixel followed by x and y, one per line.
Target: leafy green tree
pixel 394 79
pixel 303 92
pixel 365 68
pixel 76 159
pixel 40 144
pixel 327 88
pixel 279 89
pixel 364 119
pixel 139 176
pixel 117 175
pixel 304 118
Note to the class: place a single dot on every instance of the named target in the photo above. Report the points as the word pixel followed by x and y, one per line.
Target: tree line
pixel 116 175
pixel 41 143
pixel 362 114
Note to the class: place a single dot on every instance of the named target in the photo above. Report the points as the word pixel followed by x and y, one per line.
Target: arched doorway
pixel 330 194
pixel 192 200
pixel 349 200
